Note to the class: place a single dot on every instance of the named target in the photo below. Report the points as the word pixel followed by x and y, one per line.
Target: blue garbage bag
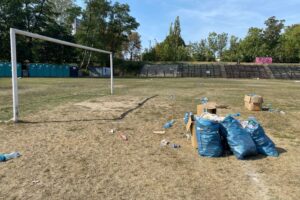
pixel 239 140
pixel 264 144
pixel 208 138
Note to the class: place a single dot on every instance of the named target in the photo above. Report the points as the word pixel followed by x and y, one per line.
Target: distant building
pixel 75 25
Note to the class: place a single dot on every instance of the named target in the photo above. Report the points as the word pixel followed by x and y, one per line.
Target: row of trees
pixel 110 26
pixel 103 25
pixel 275 40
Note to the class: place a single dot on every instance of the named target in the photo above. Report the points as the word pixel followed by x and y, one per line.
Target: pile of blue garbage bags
pixel 218 136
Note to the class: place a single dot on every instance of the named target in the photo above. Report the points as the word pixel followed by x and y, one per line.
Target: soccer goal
pixel 13 48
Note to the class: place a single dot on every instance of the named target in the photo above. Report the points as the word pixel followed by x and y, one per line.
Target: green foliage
pixel 201 51
pixel 272 34
pixel 290 44
pixel 106 26
pixel 35 16
pixel 253 45
pixel 173 48
pixel 132 47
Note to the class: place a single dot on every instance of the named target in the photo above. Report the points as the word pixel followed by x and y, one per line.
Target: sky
pixel 199 17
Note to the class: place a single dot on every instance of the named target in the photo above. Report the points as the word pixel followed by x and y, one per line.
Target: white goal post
pixel 13 48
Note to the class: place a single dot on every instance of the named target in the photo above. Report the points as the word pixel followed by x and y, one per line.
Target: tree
pixel 201 52
pixel 61 7
pixel 253 45
pixel 221 43
pixel 233 53
pixel 34 16
pixel 105 26
pixel 120 26
pixel 217 43
pixel 173 48
pixel 290 44
pixel 272 34
pixel 133 46
pixel 213 42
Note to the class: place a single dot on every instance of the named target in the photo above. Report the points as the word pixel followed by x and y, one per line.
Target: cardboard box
pixel 253 102
pixel 191 126
pixel 210 106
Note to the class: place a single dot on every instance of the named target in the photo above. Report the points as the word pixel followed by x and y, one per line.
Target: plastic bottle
pixel 12 155
pixel 186 117
pixel 169 124
pixel 204 101
pixel 5 157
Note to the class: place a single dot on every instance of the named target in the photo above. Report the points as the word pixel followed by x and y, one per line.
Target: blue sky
pixel 199 17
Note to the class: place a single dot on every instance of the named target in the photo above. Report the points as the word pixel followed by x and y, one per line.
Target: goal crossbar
pixel 13 48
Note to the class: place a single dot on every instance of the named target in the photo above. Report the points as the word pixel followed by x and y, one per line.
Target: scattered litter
pixel 112 131
pixel 6 157
pixel 297 81
pixel 169 124
pixel 186 118
pixel 159 132
pixel 164 142
pixel 35 181
pixel 282 112
pixel 270 108
pixel 123 137
pixel 188 136
pixel 175 146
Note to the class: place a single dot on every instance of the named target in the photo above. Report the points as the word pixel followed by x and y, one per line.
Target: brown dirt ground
pixel 69 153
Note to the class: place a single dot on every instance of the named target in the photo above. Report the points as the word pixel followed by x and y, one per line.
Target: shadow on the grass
pixel 258 156
pixel 122 116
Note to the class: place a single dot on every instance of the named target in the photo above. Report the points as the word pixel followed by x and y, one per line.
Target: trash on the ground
pixel 209 140
pixel 35 181
pixel 188 136
pixel 112 131
pixel 123 137
pixel 186 117
pixel 239 140
pixel 215 136
pixel 264 144
pixel 282 112
pixel 159 132
pixel 270 108
pixel 169 124
pixel 164 142
pixel 253 102
pixel 9 156
pixel 175 146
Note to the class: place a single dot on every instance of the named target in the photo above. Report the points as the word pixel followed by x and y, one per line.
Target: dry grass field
pixel 68 151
